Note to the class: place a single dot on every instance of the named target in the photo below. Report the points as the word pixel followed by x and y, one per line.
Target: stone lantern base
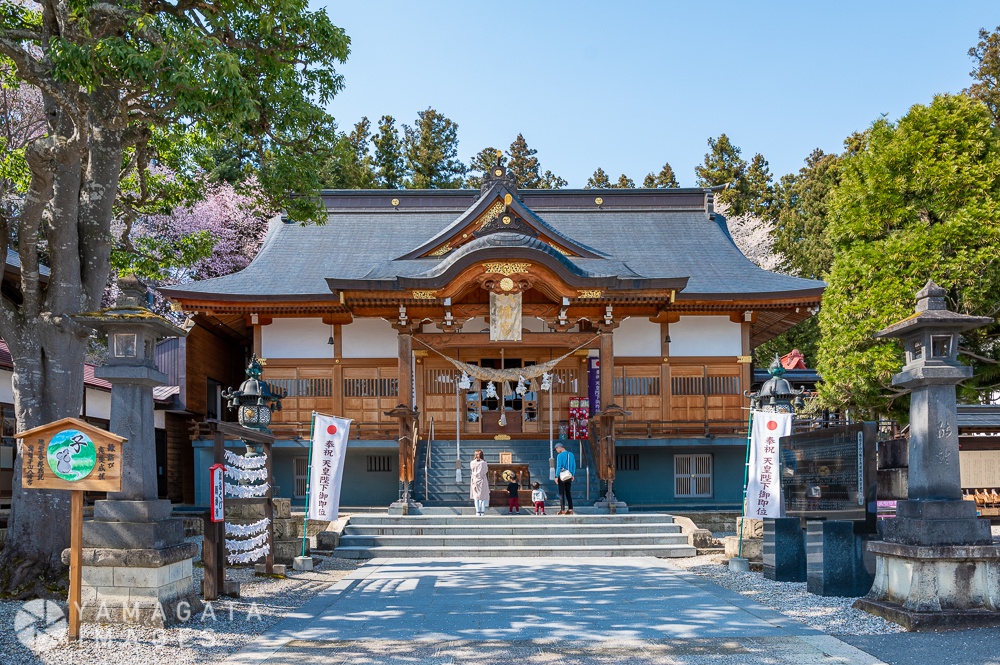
pixel 935 587
pixel 137 568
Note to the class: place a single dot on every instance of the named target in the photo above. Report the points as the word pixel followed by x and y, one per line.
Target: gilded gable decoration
pixel 506 268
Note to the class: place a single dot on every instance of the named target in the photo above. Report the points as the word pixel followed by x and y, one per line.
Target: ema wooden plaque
pixel 70 454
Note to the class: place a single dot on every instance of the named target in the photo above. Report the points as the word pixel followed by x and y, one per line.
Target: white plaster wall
pixel 637 336
pixel 476 324
pixel 159 419
pixel 296 338
pixel 705 336
pixel 98 404
pixel 533 324
pixel 369 338
pixel 6 386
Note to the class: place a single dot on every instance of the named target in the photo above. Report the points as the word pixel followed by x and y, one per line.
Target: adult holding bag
pixel 565 470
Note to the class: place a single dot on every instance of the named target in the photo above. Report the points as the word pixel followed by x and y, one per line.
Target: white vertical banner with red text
pixel 329 449
pixel 763 497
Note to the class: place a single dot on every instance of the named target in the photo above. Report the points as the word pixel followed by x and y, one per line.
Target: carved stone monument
pixel 136 566
pixel 936 565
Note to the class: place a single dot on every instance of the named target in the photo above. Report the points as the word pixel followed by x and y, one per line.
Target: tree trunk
pixel 48 385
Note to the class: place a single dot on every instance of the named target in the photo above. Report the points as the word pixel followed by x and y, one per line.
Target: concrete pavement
pixel 588 610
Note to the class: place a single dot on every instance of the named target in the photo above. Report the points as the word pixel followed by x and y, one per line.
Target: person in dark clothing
pixel 514 505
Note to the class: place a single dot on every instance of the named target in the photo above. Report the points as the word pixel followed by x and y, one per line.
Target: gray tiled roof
pixel 295 260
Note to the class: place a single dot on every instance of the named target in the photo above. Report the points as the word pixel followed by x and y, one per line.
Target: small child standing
pixel 514 505
pixel 538 498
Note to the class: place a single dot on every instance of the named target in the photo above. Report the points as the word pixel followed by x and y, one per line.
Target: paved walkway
pixel 566 611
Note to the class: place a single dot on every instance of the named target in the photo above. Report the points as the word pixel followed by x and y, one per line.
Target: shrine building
pixel 639 301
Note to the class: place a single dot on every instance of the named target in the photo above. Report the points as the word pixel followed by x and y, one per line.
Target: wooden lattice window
pixel 637 385
pixel 302 387
pixel 441 381
pixel 693 475
pixel 566 381
pixel 379 463
pixel 371 387
pixel 301 476
pixel 704 385
pixel 627 462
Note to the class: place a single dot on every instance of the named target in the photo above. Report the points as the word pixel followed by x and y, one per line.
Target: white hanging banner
pixel 329 449
pixel 763 497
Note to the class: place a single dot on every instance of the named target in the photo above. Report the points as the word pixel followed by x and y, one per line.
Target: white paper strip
pixel 255 462
pixel 244 530
pixel 247 491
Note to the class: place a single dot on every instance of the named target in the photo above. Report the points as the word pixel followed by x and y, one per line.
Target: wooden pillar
pixel 607 369
pixel 338 369
pixel 406 446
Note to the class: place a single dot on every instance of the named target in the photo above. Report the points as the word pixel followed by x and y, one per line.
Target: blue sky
pixel 629 85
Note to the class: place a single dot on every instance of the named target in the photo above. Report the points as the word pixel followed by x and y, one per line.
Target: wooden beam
pixel 443 341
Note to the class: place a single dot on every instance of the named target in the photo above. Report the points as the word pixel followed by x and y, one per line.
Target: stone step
pixel 498 518
pixel 526 529
pixel 534 541
pixel 458 551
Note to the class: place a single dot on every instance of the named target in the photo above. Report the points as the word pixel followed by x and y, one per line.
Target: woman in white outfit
pixel 480 491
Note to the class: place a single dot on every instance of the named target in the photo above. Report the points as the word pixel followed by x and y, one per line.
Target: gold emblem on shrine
pixel 507 199
pixel 506 284
pixel 589 293
pixel 424 295
pixel 506 268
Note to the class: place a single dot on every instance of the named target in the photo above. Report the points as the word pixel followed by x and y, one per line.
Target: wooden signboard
pixel 980 469
pixel 70 454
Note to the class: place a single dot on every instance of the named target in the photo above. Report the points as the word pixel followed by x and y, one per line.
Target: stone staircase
pixel 500 535
pixel 438 487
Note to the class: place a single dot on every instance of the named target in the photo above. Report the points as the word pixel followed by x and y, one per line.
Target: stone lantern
pixel 935 565
pixel 254 401
pixel 777 394
pixel 133 549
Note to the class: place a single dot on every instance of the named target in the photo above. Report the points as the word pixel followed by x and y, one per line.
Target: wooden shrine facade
pixel 354 317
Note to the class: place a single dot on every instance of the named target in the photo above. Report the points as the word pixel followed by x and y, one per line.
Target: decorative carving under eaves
pixel 491 213
pixel 589 293
pixel 506 268
pixel 424 295
pixel 442 250
pixel 507 222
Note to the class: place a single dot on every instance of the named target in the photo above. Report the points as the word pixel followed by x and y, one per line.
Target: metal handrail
pixel 427 461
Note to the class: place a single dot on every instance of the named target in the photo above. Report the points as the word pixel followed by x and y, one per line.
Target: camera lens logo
pixel 40 625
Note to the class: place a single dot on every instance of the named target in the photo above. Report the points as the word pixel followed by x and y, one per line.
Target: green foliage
pixel 986 55
pixel 550 180
pixel 624 182
pixel 350 164
pixel 662 180
pixel 389 164
pixel 723 166
pixel 599 180
pixel 151 255
pixel 800 229
pixel 523 164
pixel 480 163
pixel 431 152
pixel 918 199
pixel 756 191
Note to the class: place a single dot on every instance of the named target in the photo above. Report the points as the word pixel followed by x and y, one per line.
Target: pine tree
pixel 987 72
pixel 431 151
pixel 388 162
pixel 480 163
pixel 757 193
pixel 803 204
pixel 723 166
pixel 523 164
pixel 624 182
pixel 551 181
pixel 664 179
pixel 599 180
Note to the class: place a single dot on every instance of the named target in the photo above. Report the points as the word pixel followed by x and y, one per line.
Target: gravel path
pixel 833 616
pixel 204 639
